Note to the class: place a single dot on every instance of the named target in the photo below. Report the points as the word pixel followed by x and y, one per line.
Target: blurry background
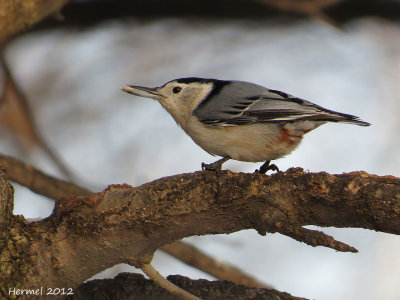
pixel 71 73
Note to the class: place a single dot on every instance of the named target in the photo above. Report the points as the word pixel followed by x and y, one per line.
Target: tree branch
pixel 311 8
pixel 6 207
pixel 215 267
pixel 88 13
pixel 88 234
pixel 18 15
pixel 135 286
pixel 164 283
pixel 16 114
pixel 39 182
pixel 58 189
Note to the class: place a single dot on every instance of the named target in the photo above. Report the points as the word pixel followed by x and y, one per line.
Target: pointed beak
pixel 142 91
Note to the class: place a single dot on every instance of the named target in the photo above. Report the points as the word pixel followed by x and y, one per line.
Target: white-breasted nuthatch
pixel 240 120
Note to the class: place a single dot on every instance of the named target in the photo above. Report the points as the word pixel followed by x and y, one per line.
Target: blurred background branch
pixel 87 13
pixel 38 181
pixel 16 114
pixel 19 15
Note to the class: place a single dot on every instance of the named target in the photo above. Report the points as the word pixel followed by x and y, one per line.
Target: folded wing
pixel 247 103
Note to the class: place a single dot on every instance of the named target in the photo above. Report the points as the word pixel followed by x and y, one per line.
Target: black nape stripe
pixel 218 85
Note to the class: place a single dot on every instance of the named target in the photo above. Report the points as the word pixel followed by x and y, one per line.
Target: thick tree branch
pixel 58 189
pixel 86 235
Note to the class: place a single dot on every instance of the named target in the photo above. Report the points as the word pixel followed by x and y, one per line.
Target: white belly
pixel 252 143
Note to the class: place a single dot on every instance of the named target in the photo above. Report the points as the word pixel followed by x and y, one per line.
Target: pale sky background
pixel 72 78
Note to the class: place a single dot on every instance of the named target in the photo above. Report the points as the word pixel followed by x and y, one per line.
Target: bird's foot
pixel 208 167
pixel 215 166
pixel 266 167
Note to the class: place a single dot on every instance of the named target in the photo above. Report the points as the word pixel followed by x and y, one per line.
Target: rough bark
pixel 6 207
pixel 87 234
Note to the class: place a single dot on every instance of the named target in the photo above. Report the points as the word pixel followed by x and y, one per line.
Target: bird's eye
pixel 176 89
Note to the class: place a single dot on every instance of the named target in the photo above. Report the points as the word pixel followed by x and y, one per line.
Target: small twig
pixel 276 220
pixel 313 237
pixel 164 283
pixel 219 269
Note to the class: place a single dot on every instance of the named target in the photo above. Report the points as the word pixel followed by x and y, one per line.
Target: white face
pixel 176 95
pixel 178 98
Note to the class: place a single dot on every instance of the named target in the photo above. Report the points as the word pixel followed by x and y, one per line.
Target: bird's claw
pixel 215 166
pixel 266 167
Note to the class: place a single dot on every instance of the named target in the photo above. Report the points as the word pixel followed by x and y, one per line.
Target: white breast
pixel 253 143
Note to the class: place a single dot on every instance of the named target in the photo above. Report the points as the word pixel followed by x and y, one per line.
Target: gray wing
pixel 237 102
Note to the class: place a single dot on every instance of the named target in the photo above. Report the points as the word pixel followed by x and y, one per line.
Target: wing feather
pixel 240 103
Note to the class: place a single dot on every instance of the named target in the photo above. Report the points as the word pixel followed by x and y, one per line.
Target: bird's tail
pixel 334 116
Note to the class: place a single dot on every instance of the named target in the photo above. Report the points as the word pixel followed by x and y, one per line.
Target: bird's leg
pixel 266 167
pixel 215 166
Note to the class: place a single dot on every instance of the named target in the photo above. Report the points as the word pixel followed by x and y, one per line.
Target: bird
pixel 240 120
